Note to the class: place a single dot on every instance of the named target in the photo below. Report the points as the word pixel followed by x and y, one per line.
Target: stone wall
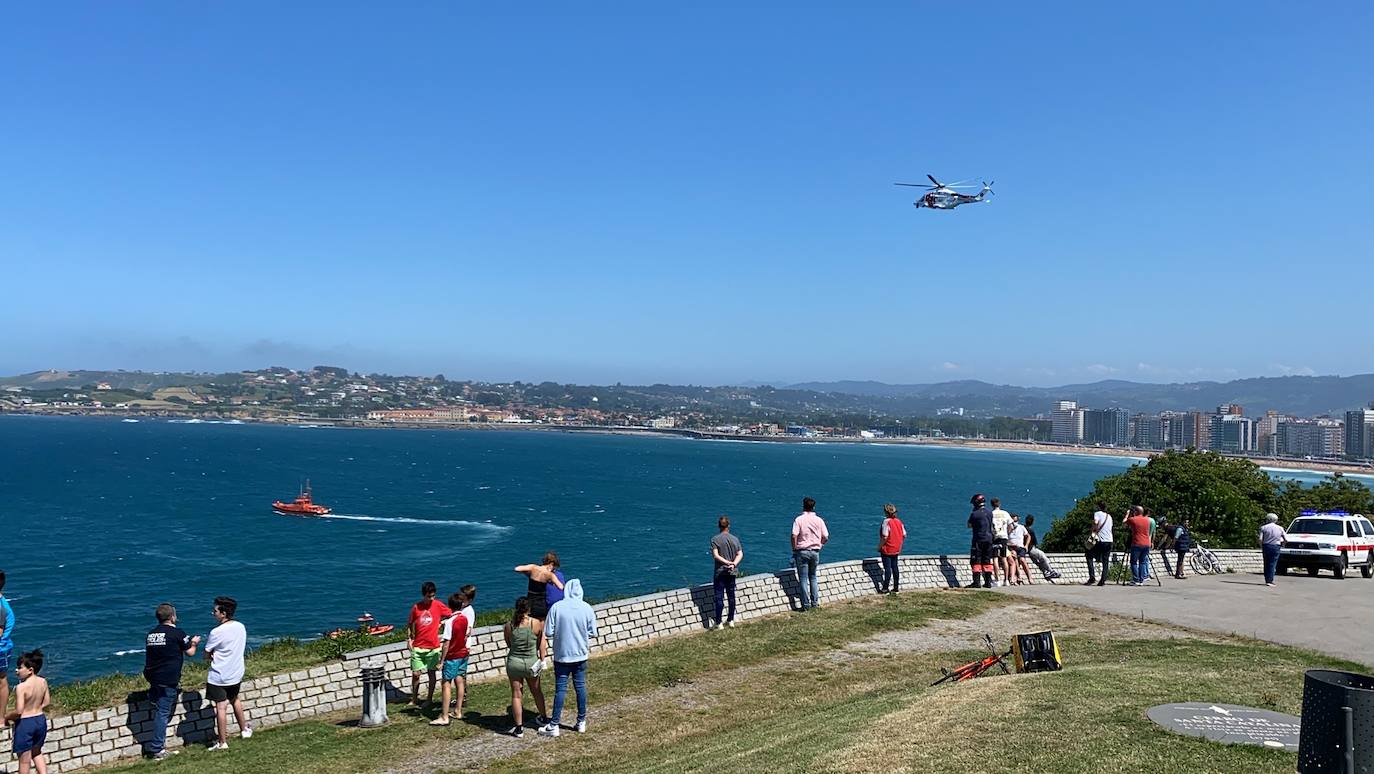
pixel 106 734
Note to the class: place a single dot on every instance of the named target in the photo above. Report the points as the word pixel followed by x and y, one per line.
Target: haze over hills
pixel 1297 395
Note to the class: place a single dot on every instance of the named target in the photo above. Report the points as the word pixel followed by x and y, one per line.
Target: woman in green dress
pixel 524 660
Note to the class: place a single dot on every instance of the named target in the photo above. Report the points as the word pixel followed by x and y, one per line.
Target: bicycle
pixel 1120 569
pixel 1203 560
pixel 976 668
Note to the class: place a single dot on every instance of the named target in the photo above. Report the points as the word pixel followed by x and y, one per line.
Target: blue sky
pixel 688 193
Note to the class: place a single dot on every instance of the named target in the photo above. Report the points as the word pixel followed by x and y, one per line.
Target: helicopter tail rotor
pixel 987 189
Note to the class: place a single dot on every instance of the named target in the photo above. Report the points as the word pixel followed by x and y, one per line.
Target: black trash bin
pixel 1334 740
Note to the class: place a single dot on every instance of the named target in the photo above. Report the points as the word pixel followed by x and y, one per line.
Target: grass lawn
pixel 328 745
pixel 795 692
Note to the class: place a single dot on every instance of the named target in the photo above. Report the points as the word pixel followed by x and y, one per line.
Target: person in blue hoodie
pixel 569 627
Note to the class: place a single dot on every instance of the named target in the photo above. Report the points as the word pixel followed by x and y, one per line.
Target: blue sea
pixel 102 519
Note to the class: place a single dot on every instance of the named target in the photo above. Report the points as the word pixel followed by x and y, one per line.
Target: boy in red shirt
pixel 453 641
pixel 423 632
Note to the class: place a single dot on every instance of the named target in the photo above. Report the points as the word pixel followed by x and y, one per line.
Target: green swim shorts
pixel 425 659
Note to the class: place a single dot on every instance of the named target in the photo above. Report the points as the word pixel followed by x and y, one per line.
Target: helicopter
pixel 943 197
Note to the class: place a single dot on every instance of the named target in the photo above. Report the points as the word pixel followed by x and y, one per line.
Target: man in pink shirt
pixel 808 535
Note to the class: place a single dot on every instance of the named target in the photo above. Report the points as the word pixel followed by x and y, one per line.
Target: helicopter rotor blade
pixel 914 185
pixel 933 180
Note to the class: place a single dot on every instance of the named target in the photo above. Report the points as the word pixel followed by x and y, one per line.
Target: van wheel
pixel 1282 569
pixel 1311 572
pixel 1367 569
pixel 1339 569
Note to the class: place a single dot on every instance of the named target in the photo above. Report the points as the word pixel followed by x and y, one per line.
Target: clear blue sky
pixel 601 192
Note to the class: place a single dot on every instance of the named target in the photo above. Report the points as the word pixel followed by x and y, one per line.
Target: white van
pixel 1329 540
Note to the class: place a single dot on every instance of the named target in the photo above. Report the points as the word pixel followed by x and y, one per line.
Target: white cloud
pixel 1099 368
pixel 1288 370
pixel 947 366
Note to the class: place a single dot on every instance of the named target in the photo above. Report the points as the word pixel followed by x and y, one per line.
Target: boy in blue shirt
pixel 6 649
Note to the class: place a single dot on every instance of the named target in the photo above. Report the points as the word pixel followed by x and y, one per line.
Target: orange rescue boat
pixel 366 625
pixel 301 506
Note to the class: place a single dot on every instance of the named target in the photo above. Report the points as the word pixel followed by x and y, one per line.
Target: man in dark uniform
pixel 980 554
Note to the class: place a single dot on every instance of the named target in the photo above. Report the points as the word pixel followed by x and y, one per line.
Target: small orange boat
pixel 366 625
pixel 301 506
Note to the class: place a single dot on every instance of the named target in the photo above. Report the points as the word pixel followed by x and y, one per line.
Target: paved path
pixel 1321 614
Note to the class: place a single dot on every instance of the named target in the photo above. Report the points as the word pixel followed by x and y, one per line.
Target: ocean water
pixel 102 519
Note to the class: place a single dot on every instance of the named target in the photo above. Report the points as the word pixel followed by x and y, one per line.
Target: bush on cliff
pixel 1337 493
pixel 1222 498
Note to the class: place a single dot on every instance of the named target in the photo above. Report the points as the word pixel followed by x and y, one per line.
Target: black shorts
pixel 999 546
pixel 219 693
pixel 980 553
pixel 539 607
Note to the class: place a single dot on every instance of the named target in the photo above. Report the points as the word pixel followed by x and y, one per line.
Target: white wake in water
pixel 409 520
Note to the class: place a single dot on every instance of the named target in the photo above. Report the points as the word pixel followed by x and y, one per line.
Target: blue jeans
pixel 806 560
pixel 561 671
pixel 164 700
pixel 1271 562
pixel 891 575
pixel 1140 563
pixel 725 586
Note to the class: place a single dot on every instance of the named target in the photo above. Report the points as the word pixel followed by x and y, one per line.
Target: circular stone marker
pixel 1230 724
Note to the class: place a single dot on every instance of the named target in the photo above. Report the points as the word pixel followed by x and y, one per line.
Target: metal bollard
pixel 374 693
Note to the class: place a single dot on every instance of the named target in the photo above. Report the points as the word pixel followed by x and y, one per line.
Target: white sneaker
pixel 246 733
pixel 581 726
pixel 730 624
pixel 712 626
pixel 550 730
pixel 220 746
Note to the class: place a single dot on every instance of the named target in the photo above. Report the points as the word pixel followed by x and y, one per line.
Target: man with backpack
pixel 1175 536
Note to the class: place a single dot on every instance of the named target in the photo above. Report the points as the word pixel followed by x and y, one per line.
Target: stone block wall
pixel 110 733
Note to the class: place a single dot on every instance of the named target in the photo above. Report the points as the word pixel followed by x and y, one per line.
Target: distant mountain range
pixel 1298 395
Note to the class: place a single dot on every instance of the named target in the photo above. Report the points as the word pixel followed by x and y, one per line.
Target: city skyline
pixel 687 195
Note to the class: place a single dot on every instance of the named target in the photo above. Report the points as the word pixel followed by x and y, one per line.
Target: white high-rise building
pixel 1066 422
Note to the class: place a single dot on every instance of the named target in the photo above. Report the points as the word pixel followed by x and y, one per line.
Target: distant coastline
pixel 1323 467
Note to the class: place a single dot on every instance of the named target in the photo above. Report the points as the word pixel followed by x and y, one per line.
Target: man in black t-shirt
pixel 980 553
pixel 164 650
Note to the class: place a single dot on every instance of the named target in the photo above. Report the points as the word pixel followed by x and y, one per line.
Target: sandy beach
pixel 1325 467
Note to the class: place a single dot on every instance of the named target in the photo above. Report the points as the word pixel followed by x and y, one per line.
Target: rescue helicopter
pixel 944 197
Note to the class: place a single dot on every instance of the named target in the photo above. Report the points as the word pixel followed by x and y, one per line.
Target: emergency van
pixel 1329 540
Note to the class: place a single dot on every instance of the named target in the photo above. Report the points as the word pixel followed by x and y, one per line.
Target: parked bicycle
pixel 1203 560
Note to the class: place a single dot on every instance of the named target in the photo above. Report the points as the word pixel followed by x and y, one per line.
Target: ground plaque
pixel 1230 724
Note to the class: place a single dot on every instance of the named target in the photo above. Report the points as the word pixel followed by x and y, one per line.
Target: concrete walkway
pixel 1322 614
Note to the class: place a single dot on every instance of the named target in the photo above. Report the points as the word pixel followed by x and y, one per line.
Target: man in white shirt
pixel 1001 521
pixel 469 591
pixel 224 650
pixel 1101 550
pixel 1271 537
